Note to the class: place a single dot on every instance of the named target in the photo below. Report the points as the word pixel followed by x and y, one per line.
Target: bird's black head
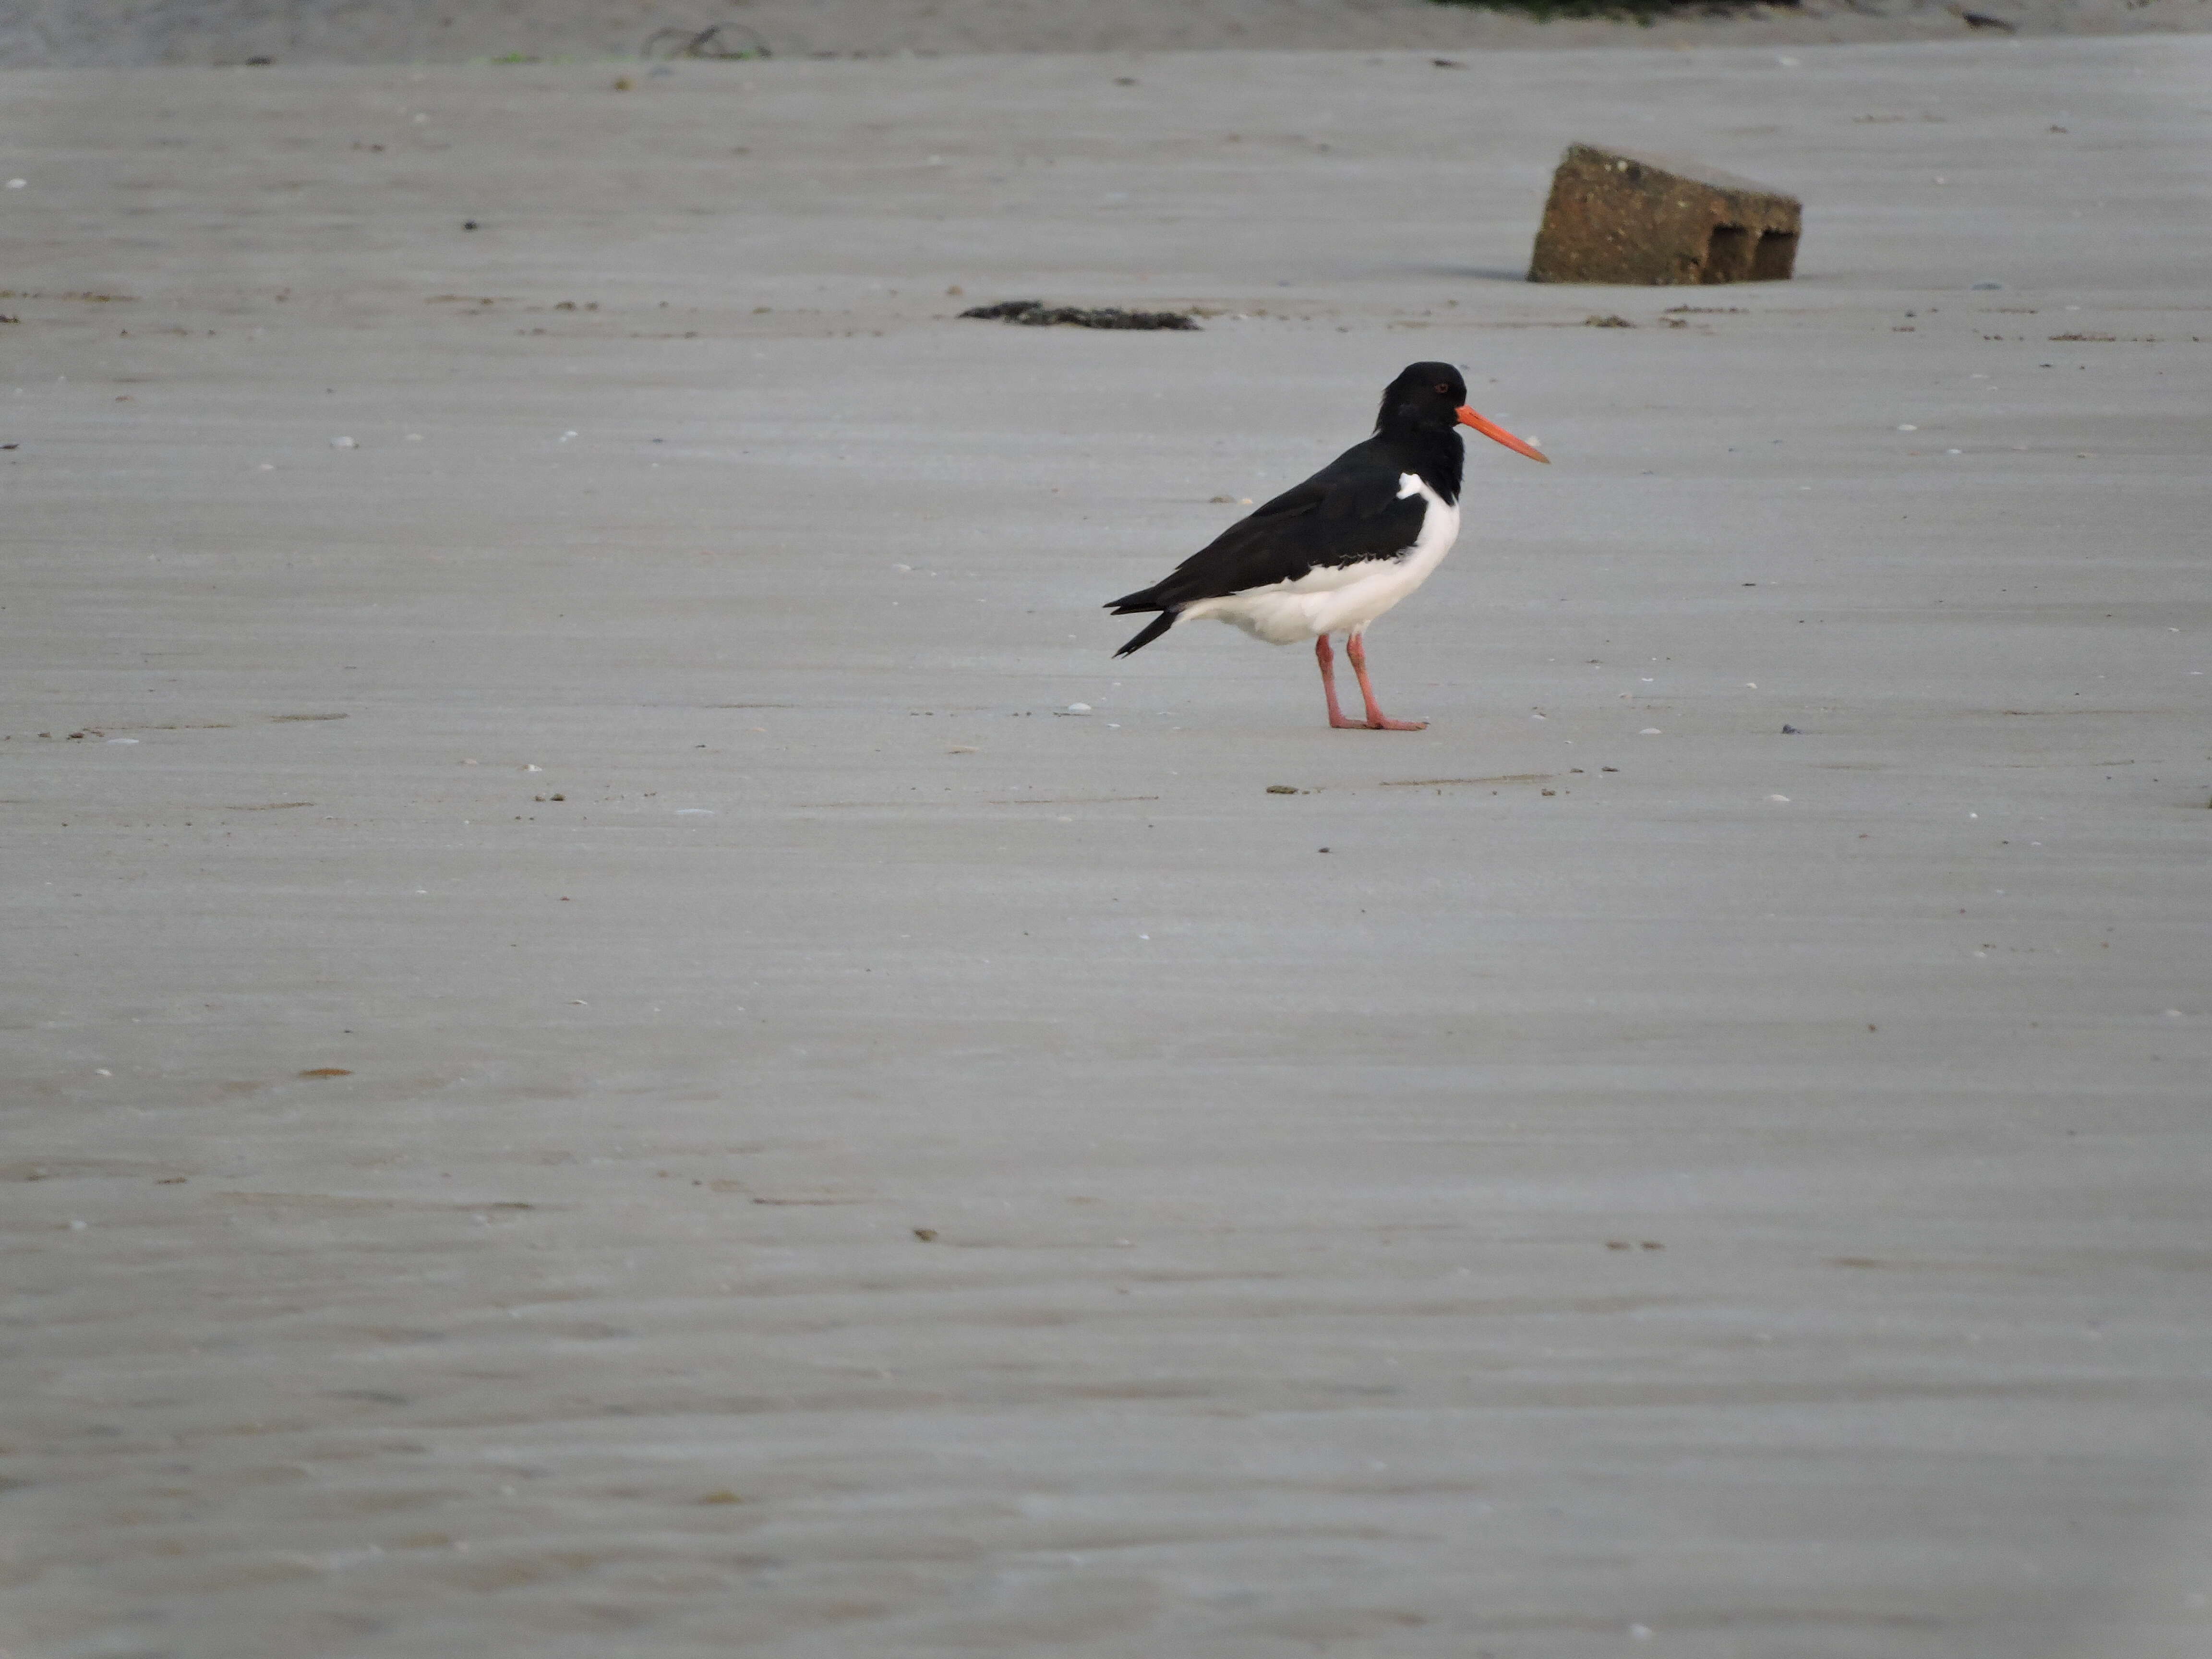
pixel 1428 399
pixel 1423 397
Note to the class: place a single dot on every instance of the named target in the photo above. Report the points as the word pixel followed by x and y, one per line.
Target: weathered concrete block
pixel 1617 216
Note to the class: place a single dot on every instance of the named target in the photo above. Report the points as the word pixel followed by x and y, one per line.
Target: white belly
pixel 1340 598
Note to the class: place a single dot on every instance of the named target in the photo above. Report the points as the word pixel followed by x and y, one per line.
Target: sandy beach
pixel 601 1061
pixel 55 33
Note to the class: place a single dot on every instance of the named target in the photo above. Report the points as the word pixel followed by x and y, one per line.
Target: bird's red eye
pixel 1445 389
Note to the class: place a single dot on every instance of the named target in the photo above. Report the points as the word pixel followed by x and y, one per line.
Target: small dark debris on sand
pixel 1036 313
pixel 707 43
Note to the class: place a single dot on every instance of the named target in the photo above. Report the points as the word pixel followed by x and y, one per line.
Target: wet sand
pixel 598 1065
pixel 56 34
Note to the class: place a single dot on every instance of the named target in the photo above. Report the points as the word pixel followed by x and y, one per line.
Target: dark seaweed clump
pixel 1036 313
pixel 1646 12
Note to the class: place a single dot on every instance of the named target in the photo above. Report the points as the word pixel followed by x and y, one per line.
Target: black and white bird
pixel 1342 548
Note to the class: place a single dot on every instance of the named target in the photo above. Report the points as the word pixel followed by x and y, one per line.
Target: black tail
pixel 1153 630
pixel 1145 599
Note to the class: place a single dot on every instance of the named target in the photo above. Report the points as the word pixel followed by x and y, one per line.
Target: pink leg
pixel 1326 658
pixel 1355 648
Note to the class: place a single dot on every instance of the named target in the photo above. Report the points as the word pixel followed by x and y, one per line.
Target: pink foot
pixel 1377 720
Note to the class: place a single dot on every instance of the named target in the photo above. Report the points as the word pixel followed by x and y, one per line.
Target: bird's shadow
pixel 1467 273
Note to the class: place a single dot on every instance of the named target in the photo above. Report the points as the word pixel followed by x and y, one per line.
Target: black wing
pixel 1348 512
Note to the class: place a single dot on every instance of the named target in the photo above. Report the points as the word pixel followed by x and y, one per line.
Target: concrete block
pixel 1618 216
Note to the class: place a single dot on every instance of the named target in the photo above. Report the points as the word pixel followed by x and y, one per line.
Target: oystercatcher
pixel 1335 553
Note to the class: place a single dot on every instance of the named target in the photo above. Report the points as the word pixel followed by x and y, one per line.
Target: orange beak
pixel 1491 430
